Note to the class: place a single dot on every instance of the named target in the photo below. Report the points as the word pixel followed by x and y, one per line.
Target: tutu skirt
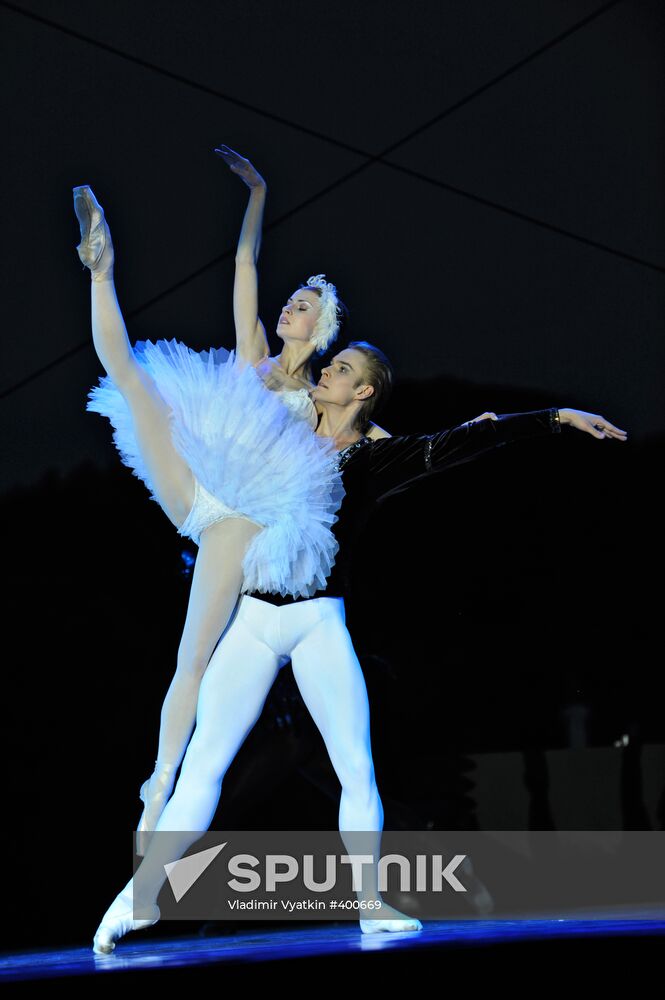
pixel 249 452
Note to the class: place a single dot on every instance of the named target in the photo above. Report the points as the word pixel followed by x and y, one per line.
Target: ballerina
pixel 234 467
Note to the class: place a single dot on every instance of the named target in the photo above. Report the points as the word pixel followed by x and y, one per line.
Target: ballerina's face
pixel 298 317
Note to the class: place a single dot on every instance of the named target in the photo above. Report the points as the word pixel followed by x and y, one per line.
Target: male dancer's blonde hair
pixel 379 374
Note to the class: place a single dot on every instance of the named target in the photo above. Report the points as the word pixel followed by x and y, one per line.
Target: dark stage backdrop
pixel 484 184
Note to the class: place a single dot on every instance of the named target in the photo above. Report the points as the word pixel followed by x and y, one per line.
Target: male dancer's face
pixel 341 381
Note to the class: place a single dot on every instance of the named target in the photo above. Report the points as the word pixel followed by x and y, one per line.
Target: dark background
pixel 484 184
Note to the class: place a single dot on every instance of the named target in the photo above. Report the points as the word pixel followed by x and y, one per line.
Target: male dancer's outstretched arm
pixel 396 464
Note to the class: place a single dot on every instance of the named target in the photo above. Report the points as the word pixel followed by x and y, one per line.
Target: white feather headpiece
pixel 327 325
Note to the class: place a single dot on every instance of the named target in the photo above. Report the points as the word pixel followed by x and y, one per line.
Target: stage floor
pixel 238 949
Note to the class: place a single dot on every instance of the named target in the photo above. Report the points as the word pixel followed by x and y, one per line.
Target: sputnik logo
pixel 182 874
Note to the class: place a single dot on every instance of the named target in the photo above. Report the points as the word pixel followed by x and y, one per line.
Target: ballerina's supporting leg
pixel 231 698
pixel 216 583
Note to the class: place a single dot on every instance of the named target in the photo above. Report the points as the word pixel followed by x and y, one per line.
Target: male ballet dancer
pixel 267 630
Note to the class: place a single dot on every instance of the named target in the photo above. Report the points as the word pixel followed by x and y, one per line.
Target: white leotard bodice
pixel 300 404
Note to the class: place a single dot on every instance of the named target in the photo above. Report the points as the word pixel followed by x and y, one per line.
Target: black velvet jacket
pixel 377 469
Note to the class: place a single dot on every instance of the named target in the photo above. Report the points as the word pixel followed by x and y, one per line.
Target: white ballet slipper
pixel 406 924
pixel 118 921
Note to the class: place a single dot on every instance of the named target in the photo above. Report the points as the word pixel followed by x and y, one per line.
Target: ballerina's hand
pixel 274 377
pixel 592 423
pixel 239 165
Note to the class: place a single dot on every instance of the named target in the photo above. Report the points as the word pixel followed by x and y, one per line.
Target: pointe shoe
pixel 154 794
pixel 118 921
pixel 394 921
pixel 96 247
pixel 406 924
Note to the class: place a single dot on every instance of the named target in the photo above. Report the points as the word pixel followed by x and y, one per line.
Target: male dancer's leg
pixel 332 684
pixel 231 698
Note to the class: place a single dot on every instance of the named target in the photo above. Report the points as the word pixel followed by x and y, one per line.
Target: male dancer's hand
pixel 592 423
pixel 239 165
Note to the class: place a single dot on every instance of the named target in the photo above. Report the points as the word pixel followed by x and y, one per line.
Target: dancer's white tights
pixel 260 639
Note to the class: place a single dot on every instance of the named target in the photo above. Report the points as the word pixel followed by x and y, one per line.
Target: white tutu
pixel 248 450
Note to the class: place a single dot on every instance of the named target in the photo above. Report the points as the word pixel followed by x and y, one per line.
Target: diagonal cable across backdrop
pixel 369 160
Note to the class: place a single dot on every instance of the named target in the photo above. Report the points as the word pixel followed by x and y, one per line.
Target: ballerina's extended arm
pixel 251 340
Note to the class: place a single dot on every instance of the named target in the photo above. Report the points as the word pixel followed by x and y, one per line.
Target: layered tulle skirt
pixel 249 454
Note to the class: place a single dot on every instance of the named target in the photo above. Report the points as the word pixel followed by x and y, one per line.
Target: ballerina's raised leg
pixel 217 576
